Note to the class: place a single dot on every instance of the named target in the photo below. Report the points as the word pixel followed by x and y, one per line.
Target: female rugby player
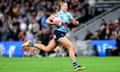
pixel 59 34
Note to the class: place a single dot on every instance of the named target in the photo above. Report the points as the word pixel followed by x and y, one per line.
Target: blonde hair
pixel 62 3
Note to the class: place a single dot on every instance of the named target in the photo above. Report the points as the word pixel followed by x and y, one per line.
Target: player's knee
pixel 47 50
pixel 71 48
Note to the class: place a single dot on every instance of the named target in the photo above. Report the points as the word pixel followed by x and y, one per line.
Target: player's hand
pixel 56 22
pixel 77 22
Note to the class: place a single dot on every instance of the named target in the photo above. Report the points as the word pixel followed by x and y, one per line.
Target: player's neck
pixel 63 11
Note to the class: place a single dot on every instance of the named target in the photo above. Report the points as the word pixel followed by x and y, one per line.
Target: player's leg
pixel 29 50
pixel 67 44
pixel 52 44
pixel 49 47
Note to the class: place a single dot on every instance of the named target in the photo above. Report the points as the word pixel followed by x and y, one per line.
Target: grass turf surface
pixel 59 64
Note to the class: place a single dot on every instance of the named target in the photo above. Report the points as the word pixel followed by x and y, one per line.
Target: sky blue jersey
pixel 65 18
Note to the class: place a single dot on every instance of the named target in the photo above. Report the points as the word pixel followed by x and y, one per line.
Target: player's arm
pixel 50 21
pixel 74 21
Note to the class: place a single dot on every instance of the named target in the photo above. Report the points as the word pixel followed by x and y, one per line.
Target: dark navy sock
pixel 74 63
pixel 31 44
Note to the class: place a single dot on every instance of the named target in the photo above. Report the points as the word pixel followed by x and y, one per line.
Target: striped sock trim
pixel 74 63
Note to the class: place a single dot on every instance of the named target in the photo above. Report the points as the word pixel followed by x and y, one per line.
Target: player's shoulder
pixel 61 13
pixel 68 13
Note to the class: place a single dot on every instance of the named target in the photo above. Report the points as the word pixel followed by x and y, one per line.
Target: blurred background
pixel 98 33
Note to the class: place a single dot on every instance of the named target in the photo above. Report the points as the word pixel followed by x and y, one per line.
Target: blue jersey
pixel 65 18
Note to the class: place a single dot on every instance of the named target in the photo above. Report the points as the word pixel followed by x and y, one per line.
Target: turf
pixel 59 64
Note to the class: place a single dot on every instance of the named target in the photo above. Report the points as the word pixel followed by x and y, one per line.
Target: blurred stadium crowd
pixel 26 19
pixel 107 31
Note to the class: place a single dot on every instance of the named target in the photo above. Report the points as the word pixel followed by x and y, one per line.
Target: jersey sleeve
pixel 69 15
pixel 58 14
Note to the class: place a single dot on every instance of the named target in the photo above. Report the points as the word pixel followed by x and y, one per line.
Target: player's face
pixel 64 7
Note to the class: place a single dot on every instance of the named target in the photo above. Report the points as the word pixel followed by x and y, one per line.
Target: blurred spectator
pixel 88 35
pixel 3 33
pixel 34 26
pixel 4 27
pixel 118 25
pixel 14 31
pixel 105 33
pixel 96 36
pixel 39 16
pixel 116 49
pixel 29 35
pixel 48 8
pixel 23 25
pixel 22 35
pixel 103 22
pixel 10 38
pixel 43 22
pixel 92 2
pixel 112 25
pixel 119 20
pixel 114 34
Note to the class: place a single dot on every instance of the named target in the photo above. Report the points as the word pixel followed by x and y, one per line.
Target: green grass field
pixel 59 64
